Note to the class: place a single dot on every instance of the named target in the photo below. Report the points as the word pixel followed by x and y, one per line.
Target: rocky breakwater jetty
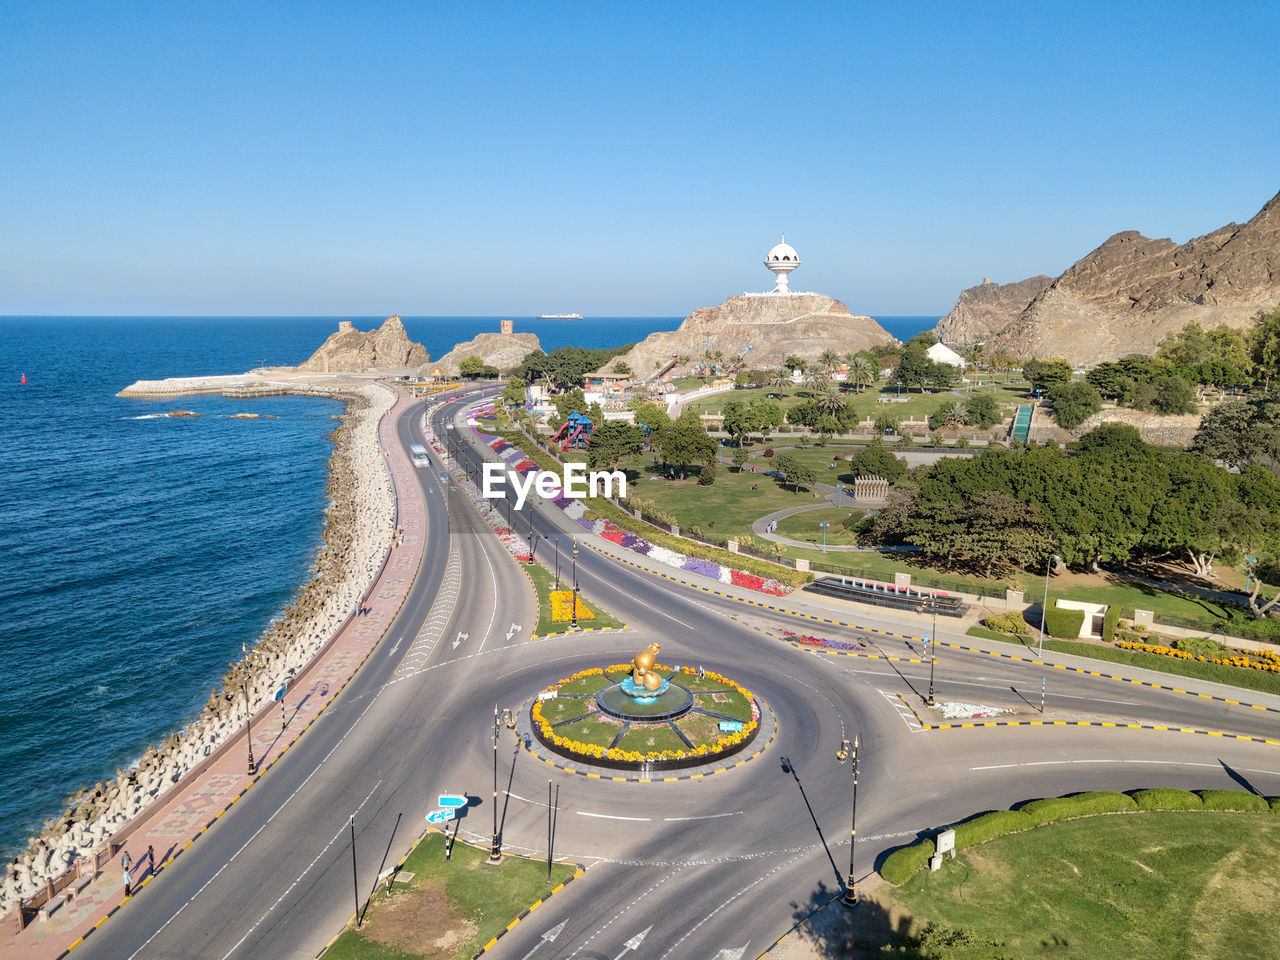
pixel 764 329
pixel 357 532
pixel 1131 292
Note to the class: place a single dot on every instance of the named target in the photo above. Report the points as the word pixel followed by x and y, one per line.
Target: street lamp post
pixel 500 718
pixel 933 639
pixel 575 584
pixel 251 660
pixel 555 542
pixel 850 752
pixel 824 524
pixel 1047 565
pixel 839 494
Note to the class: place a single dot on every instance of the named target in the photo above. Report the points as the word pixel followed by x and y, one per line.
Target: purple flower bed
pixel 631 541
pixel 562 501
pixel 840 644
pixel 590 525
pixel 704 567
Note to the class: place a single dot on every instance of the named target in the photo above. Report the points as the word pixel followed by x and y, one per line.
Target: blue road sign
pixel 451 800
pixel 730 726
pixel 280 694
pixel 439 816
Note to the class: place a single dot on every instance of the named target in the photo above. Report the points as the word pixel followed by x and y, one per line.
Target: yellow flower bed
pixel 594 751
pixel 562 607
pixel 1270 664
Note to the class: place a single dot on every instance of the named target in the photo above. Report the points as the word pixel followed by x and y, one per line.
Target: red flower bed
pixel 749 580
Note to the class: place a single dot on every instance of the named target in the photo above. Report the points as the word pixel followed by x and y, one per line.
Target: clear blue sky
pixel 608 158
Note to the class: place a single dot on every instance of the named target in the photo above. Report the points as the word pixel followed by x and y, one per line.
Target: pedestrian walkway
pixel 189 809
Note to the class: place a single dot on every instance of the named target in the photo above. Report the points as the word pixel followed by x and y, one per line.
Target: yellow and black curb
pixel 1116 724
pixel 592 775
pixel 1108 676
pixel 579 869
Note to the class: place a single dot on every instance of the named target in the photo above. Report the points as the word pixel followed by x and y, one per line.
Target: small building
pixel 941 353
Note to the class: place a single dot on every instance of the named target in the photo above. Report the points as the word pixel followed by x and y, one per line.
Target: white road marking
pixel 493 578
pixel 710 816
pixel 608 923
pixel 1167 763
pixel 607 816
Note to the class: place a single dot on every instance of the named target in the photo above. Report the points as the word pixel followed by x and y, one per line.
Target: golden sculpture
pixel 642 674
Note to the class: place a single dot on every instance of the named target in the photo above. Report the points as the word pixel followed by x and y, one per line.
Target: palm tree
pixel 973 354
pixel 861 371
pixel 954 414
pixel 829 399
pixel 829 360
pixel 780 380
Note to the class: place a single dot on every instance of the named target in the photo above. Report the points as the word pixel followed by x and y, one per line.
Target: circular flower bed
pixel 571 724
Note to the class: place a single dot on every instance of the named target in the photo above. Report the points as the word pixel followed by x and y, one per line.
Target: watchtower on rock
pixel 506 326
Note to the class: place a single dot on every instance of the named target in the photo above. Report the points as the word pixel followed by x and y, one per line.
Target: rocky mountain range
pixel 349 350
pixel 1131 292
pixel 982 310
pixel 761 328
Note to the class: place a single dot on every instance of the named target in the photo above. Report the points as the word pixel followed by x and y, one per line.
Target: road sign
pixel 453 800
pixel 730 726
pixel 440 816
pixel 280 693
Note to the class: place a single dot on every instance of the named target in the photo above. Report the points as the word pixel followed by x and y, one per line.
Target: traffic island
pixel 646 717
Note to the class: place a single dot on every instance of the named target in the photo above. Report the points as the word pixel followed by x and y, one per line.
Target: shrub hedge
pixel 1109 620
pixel 1062 623
pixel 1053 809
pixel 1233 800
pixel 1166 798
pixel 1010 622
pixel 905 862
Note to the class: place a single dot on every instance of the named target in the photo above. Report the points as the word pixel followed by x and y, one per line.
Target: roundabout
pixel 645 716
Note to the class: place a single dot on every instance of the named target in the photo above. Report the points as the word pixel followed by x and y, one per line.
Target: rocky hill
pixel 771 325
pixel 356 351
pixel 1132 291
pixel 982 310
pixel 502 350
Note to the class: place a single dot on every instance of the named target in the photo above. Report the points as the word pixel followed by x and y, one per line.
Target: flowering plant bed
pixel 571 725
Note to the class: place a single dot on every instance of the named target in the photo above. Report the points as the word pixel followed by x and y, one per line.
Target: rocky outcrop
pixel 502 350
pixel 349 350
pixel 1131 292
pixel 983 310
pixel 762 328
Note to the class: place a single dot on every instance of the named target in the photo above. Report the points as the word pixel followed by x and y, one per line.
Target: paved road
pixel 705 865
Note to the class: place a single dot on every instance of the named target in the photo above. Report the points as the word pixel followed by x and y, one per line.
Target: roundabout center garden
pixel 629 716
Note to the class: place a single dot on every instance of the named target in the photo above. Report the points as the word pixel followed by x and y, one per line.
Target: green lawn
pixel 727 507
pixel 544 583
pixel 1193 885
pixel 449 909
pixel 805 526
pixel 597 729
pixel 648 738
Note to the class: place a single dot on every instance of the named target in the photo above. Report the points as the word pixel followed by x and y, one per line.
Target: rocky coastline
pixel 358 528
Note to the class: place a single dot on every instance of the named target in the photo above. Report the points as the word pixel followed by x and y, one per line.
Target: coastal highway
pixel 704 866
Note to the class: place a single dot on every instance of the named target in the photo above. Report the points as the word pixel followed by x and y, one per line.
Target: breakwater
pixel 357 532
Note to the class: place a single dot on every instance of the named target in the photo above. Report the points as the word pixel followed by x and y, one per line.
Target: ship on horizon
pixel 559 316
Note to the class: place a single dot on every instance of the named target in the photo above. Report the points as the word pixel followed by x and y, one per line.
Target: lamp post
pixel 574 608
pixel 555 542
pixel 850 752
pixel 251 660
pixel 933 639
pixel 824 524
pixel 499 719
pixel 839 494
pixel 1047 565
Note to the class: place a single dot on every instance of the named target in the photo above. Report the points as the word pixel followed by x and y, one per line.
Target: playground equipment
pixel 574 432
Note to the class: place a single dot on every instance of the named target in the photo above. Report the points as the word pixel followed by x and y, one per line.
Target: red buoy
pixel 24 378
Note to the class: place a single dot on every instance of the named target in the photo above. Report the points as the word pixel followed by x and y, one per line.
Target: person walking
pixel 126 861
pixel 151 859
pixel 128 882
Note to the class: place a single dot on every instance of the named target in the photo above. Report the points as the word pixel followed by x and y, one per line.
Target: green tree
pixel 915 368
pixel 766 414
pixel 1073 403
pixel 740 457
pixel 796 363
pixel 877 460
pixel 653 416
pixel 613 441
pixel 1264 345
pixel 1044 374
pixel 513 392
pixel 982 410
pixel 829 360
pixel 948 415
pixel 796 473
pixel 1174 395
pixel 942 376
pixel 738 420
pixel 622 368
pixel 887 422
pixel 862 371
pixel 574 401
pixel 685 443
pixel 470 367
pixel 1241 432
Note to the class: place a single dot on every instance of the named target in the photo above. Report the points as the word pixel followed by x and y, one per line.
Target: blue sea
pixel 138 553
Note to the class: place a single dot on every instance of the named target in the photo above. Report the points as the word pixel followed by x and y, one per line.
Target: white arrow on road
pixel 396 647
pixel 461 637
pixel 634 942
pixel 734 953
pixel 548 937
pixel 515 628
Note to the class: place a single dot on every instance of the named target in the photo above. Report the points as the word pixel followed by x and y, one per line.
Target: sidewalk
pixel 179 818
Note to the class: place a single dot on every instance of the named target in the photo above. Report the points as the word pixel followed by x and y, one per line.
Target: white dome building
pixel 782 259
